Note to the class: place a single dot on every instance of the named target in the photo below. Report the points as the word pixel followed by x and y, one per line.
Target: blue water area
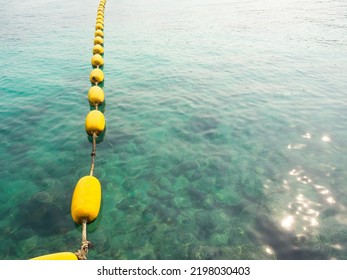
pixel 226 128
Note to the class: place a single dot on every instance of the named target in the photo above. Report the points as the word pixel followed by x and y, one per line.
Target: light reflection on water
pixel 305 214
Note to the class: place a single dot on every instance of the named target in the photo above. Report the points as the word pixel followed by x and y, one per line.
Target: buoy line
pixel 86 198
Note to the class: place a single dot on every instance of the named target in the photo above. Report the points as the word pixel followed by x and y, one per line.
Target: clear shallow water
pixel 226 129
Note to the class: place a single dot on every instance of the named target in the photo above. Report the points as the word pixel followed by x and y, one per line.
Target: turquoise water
pixel 226 128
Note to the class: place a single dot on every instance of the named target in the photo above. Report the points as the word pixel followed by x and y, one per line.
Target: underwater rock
pixel 184 167
pixel 40 214
pixel 164 196
pixel 113 216
pixel 128 205
pixel 330 212
pixel 136 240
pixel 9 249
pixel 22 233
pixel 200 199
pixel 223 182
pixel 152 191
pixel 227 197
pixel 181 183
pixel 146 252
pixel 165 183
pixel 42 198
pixel 206 223
pixel 118 242
pixel 219 240
pixel 195 194
pixel 124 226
pixel 147 216
pixel 28 245
pixel 195 175
pixel 182 202
pixel 164 213
pixel 203 253
pixel 251 187
pixel 207 183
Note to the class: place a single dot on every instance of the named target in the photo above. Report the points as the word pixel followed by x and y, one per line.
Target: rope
pixel 93 154
pixel 82 253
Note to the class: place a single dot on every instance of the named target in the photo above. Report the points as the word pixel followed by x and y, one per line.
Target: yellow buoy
pixel 86 200
pixel 99 26
pixel 98 49
pixel 96 76
pixel 97 60
pixel 98 40
pixel 96 95
pixel 95 122
pixel 57 256
pixel 99 32
pixel 100 21
pixel 100 17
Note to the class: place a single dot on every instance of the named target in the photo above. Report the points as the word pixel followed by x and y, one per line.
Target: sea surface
pixel 226 128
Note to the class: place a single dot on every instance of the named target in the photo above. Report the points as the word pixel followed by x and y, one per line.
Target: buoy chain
pixel 95 125
pixel 86 198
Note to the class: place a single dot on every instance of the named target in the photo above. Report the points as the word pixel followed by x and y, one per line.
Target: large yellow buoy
pixel 98 49
pixel 98 40
pixel 57 256
pixel 96 95
pixel 99 26
pixel 99 32
pixel 96 76
pixel 86 200
pixel 97 60
pixel 95 122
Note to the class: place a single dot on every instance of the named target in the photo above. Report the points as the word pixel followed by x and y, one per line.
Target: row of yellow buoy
pixel 86 198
